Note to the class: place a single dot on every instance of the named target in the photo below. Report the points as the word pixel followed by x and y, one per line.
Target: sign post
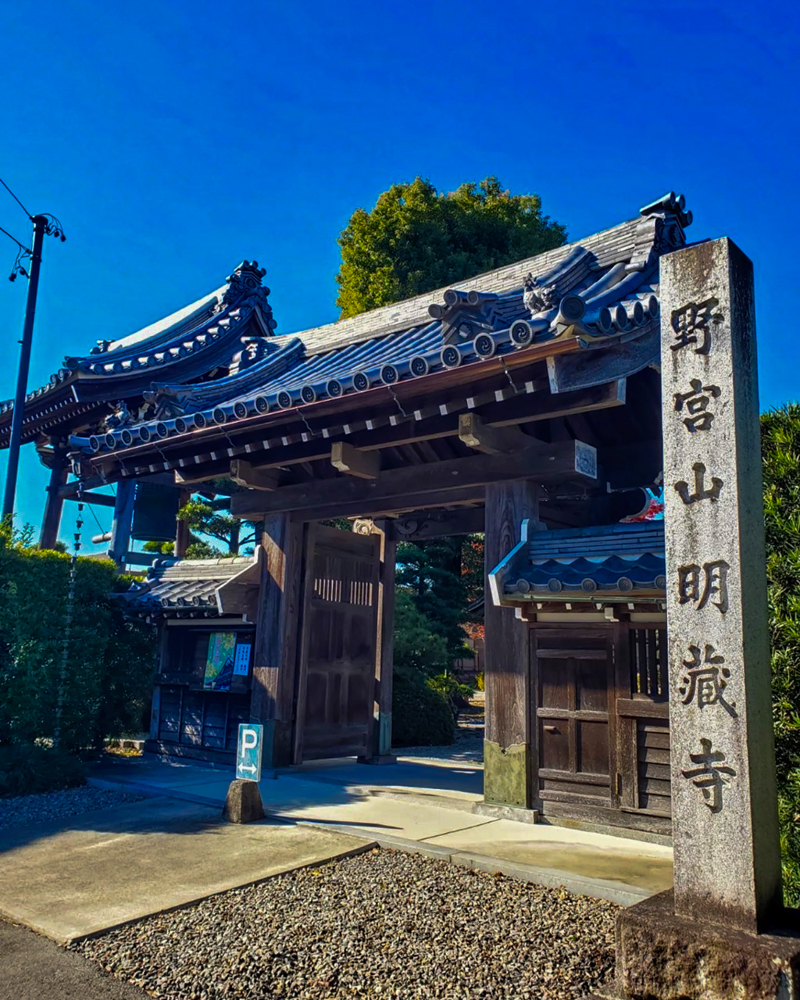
pixel 243 802
pixel 248 753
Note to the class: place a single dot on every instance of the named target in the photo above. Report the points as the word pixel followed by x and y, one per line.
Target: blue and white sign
pixel 248 752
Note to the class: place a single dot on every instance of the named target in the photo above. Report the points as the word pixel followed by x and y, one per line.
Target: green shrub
pixel 480 681
pixel 27 769
pixel 455 693
pixel 109 668
pixel 420 715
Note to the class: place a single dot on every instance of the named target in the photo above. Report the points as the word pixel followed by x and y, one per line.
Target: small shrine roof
pixel 618 562
pixel 190 587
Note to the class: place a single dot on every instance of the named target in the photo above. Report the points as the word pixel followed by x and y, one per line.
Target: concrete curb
pixel 614 892
pixel 551 878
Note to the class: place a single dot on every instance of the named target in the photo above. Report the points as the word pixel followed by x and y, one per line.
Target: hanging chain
pixel 65 641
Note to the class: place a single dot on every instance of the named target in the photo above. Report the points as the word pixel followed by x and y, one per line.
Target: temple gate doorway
pixel 338 645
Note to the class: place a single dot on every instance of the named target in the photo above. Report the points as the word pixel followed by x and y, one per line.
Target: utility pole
pixel 40 226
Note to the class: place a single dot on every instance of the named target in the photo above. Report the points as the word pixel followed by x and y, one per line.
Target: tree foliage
pixel 110 661
pixel 417 646
pixel 780 444
pixel 431 571
pixel 416 239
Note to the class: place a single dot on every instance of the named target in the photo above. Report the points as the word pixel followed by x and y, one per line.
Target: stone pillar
pixel 724 798
pixel 510 751
pixel 722 933
pixel 277 628
pixel 51 521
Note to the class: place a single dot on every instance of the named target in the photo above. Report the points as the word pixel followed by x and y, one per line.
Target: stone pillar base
pixel 663 956
pixel 243 802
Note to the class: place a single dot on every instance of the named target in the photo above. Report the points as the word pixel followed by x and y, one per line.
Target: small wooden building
pixel 527 394
pixel 593 599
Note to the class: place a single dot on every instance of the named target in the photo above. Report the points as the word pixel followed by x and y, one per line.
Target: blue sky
pixel 173 140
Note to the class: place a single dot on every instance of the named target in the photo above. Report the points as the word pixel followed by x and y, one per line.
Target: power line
pixel 14 238
pixel 16 199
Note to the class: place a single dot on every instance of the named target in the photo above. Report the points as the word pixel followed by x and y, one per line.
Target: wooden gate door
pixel 339 644
pixel 575 688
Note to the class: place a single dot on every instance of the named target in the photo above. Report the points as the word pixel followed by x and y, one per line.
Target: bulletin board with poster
pixel 228 662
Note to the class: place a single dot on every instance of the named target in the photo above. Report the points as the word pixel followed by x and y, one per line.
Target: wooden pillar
pixel 123 519
pixel 182 527
pixel 381 732
pixel 510 751
pixel 275 654
pixel 51 521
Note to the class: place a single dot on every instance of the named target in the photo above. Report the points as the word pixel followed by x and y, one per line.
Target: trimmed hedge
pixel 110 660
pixel 27 770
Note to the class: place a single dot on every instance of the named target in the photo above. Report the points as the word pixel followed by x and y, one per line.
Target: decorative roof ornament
pixel 244 281
pixel 464 314
pixel 245 290
pixel 538 298
pixel 119 417
pixel 669 204
pixel 661 230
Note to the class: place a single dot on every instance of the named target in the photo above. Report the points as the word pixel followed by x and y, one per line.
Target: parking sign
pixel 248 753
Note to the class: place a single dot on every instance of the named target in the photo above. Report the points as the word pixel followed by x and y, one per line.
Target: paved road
pixel 33 968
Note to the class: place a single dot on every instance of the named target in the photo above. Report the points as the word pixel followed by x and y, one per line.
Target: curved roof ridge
pixel 413 311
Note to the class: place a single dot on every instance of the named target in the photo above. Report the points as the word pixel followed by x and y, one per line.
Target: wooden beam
pixel 246 474
pixel 101 499
pixel 189 478
pixel 182 527
pixel 421 524
pixel 491 440
pixel 542 463
pixel 353 462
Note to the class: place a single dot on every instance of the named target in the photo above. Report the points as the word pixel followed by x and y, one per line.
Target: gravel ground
pixel 383 924
pixel 23 810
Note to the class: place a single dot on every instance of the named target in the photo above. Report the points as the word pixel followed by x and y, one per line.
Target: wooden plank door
pixel 575 688
pixel 339 644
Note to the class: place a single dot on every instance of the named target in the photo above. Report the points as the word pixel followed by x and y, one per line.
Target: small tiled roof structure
pixel 191 588
pixel 609 563
pixel 601 294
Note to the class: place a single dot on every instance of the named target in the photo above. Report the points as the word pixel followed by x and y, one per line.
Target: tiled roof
pixel 189 343
pixel 617 562
pixel 189 585
pixel 601 292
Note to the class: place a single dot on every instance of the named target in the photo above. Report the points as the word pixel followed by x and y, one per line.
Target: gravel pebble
pixel 24 810
pixel 383 924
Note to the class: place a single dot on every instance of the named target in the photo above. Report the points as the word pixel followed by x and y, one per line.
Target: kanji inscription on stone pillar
pixel 725 829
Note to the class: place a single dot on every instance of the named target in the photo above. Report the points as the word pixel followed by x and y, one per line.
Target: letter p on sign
pixel 248 753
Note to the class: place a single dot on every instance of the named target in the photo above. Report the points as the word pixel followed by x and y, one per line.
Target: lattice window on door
pixel 648 658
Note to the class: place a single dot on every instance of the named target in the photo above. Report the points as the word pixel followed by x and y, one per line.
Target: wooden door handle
pixel 550 729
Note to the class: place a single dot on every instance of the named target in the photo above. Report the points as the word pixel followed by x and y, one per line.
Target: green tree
pixel 780 445
pixel 416 239
pixel 431 571
pixel 417 646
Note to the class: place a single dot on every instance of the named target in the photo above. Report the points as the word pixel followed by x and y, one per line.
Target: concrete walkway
pixel 426 807
pixel 74 877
